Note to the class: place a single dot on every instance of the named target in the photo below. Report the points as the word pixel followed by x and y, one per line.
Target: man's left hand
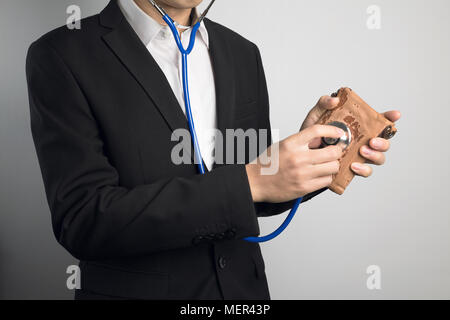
pixel 374 153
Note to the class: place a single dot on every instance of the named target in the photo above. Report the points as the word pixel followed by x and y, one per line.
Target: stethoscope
pixel 197 154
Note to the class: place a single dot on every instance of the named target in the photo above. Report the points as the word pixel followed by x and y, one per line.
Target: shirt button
pixel 222 262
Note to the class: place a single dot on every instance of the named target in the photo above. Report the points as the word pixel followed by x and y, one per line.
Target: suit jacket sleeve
pixel 269 209
pixel 93 216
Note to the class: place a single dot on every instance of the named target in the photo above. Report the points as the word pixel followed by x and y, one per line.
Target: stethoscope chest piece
pixel 343 141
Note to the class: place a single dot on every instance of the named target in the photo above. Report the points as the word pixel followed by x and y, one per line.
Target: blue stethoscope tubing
pixel 187 102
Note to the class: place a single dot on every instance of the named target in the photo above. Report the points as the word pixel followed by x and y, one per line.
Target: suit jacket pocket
pixel 116 282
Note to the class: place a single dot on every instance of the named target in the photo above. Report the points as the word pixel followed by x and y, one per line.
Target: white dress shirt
pixel 160 43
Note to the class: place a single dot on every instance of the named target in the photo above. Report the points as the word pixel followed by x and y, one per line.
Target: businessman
pixel 105 101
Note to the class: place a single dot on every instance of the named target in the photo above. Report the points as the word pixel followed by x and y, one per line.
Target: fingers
pixel 362 170
pixel 330 153
pixel 318 131
pixel 393 115
pixel 327 103
pixel 375 157
pixel 325 169
pixel 315 143
pixel 320 183
pixel 379 144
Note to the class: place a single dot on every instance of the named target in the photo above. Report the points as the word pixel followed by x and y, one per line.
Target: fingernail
pixel 366 150
pixel 340 132
pixel 377 143
pixel 357 166
pixel 331 100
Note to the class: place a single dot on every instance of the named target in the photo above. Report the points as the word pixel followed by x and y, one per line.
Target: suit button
pixel 222 262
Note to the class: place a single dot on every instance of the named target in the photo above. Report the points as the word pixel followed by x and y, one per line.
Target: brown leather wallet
pixel 361 124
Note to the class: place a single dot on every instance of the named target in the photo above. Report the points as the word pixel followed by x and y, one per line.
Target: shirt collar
pixel 146 27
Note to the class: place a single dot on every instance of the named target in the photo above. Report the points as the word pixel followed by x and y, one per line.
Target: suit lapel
pixel 224 77
pixel 127 46
pixel 130 50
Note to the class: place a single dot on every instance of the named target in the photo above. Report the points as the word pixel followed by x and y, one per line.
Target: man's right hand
pixel 301 169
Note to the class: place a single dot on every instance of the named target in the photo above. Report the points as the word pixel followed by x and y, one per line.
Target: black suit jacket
pixel 102 115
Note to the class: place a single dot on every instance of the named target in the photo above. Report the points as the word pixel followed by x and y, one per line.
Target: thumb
pixel 327 103
pixel 318 131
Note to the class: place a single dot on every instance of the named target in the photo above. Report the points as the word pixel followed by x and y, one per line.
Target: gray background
pixel 398 219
